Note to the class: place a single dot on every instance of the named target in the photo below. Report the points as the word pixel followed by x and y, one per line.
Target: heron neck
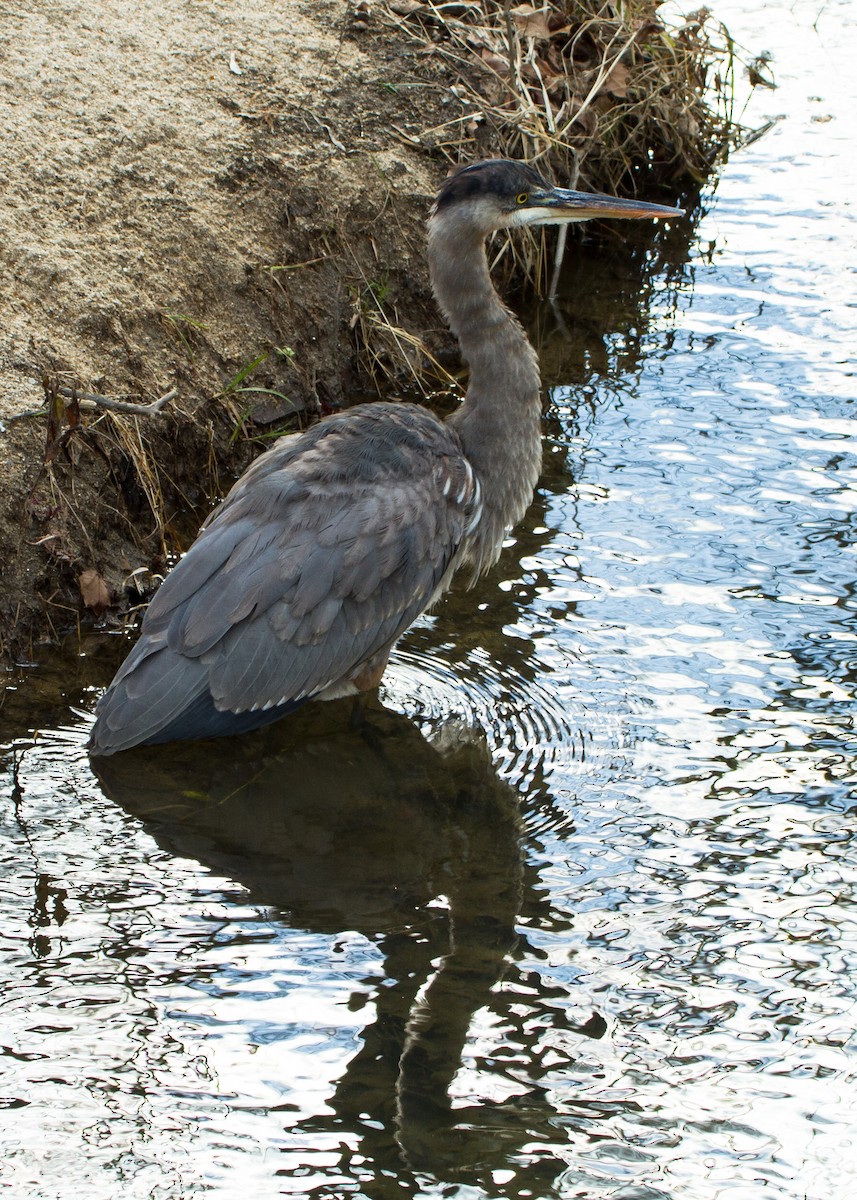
pixel 499 423
pixel 492 341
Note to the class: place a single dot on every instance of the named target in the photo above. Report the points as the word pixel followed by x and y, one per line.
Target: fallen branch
pixel 92 400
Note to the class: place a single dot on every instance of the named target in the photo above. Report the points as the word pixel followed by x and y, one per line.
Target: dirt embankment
pixel 185 188
pixel 209 199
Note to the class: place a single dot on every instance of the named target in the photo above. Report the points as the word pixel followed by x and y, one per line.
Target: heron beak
pixel 555 206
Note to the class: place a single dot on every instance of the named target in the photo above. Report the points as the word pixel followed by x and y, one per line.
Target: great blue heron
pixel 335 540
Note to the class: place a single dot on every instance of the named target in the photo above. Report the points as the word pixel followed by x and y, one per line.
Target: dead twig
pixel 90 401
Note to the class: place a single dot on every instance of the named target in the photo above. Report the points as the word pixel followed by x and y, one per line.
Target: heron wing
pixel 324 552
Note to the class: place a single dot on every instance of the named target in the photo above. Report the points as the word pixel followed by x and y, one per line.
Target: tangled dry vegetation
pixel 604 91
pixel 604 94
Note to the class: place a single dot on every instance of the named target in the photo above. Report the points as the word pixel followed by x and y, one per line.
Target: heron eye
pixel 522 197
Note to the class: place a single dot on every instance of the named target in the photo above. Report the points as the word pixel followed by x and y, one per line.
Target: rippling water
pixel 574 915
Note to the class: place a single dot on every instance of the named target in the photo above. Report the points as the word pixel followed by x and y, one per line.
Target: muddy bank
pixel 187 188
pixel 200 200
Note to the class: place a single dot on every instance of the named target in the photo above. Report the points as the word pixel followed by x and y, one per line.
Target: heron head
pixel 503 194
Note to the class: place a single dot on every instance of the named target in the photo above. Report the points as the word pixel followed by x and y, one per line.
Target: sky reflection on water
pixel 582 924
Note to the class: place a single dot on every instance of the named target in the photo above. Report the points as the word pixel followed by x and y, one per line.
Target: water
pixel 575 916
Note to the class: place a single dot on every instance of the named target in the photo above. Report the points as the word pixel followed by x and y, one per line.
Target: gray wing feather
pixel 324 552
pixel 153 690
pixel 325 619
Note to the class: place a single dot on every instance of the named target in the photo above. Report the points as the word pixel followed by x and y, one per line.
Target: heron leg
pixel 361 725
pixel 357 720
pixel 370 674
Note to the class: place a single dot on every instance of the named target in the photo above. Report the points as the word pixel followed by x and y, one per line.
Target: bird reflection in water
pixel 341 827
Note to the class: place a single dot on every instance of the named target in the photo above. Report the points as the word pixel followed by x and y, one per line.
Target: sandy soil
pixel 158 161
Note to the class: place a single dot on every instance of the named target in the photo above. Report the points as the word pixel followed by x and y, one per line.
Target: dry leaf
pixel 583 116
pixel 551 63
pixel 616 83
pixel 495 62
pixel 532 22
pixel 94 591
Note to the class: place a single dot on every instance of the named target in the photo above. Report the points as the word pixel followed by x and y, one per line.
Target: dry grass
pixel 601 91
pixel 388 352
pixel 604 94
pixel 141 492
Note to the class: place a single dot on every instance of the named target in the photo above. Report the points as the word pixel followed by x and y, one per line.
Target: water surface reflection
pixel 419 851
pixel 330 899
pixel 574 916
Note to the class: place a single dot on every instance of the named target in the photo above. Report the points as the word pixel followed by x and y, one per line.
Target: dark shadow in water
pixel 368 826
